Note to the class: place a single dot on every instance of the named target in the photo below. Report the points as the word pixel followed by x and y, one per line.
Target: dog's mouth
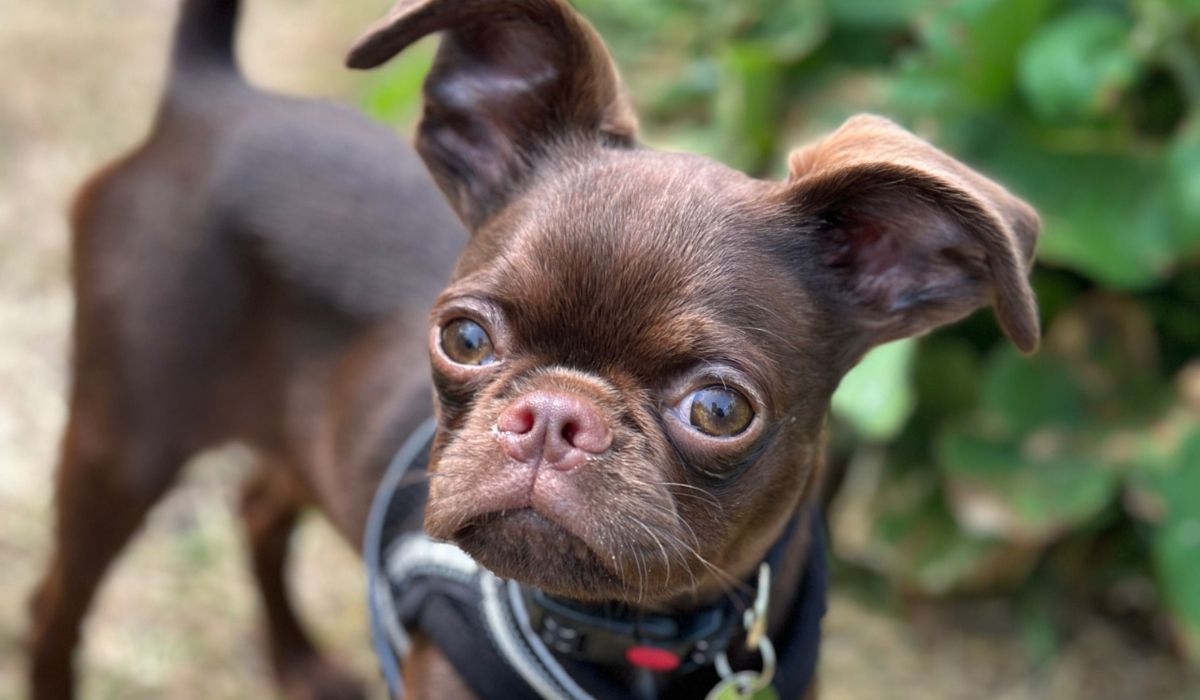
pixel 583 534
pixel 524 545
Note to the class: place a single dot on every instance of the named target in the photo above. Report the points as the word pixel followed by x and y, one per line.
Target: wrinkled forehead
pixel 640 262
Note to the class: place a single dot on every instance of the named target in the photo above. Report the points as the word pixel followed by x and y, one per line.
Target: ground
pixel 178 618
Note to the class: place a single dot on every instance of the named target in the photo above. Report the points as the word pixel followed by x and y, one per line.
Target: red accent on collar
pixel 652 658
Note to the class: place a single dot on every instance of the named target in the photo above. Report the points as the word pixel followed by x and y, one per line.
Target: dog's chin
pixel 527 547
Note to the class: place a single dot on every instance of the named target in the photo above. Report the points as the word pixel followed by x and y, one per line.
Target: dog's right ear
pixel 513 80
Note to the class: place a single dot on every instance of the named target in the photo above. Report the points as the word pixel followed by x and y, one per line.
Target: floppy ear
pixel 513 80
pixel 911 238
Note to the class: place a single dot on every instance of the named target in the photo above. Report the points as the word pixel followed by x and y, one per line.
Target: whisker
pixel 692 492
pixel 726 580
pixel 654 537
pixel 680 548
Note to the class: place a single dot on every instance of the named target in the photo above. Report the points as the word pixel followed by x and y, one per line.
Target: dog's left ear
pixel 907 238
pixel 513 81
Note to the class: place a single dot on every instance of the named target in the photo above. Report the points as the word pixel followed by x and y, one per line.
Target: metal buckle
pixel 745 684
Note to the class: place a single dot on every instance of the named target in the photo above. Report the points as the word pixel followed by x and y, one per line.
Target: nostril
pixel 518 420
pixel 569 430
pixel 584 429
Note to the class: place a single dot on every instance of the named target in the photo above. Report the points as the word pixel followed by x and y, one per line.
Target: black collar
pixel 620 635
pixel 614 634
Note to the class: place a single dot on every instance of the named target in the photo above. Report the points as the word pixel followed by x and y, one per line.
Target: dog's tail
pixel 204 36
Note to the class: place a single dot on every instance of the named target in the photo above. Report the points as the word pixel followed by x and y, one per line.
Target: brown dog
pixel 632 364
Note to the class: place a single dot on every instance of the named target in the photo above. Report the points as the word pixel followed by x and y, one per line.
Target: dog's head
pixel 636 356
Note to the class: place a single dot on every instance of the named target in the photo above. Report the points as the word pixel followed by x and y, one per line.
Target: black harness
pixel 510 641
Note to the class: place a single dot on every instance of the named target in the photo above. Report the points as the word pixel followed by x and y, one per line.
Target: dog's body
pixel 260 270
pixel 633 362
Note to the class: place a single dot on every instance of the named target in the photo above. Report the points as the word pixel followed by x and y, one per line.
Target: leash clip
pixel 755 618
pixel 744 685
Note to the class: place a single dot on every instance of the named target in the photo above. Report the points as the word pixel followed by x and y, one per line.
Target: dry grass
pixel 177 618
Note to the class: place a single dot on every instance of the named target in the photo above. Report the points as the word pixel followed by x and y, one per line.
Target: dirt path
pixel 178 620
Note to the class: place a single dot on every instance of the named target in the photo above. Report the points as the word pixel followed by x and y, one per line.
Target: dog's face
pixel 636 356
pixel 636 310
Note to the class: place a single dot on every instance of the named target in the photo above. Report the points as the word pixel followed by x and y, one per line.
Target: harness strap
pixel 385 633
pixel 799 646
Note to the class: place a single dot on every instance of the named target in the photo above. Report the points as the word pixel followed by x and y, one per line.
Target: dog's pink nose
pixel 560 429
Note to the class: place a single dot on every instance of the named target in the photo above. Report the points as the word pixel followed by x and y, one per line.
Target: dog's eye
pixel 720 412
pixel 466 343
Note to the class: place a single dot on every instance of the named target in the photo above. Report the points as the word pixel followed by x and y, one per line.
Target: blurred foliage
pixel 1076 472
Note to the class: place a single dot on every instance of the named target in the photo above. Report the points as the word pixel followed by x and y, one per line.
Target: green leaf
pixel 894 521
pixel 1030 490
pixel 876 397
pixel 926 549
pixel 947 376
pixel 892 14
pixel 1077 67
pixel 1183 187
pixel 748 105
pixel 1175 479
pixel 1177 556
pixel 1021 394
pixel 1040 457
pixel 1103 214
pixel 1167 468
pixel 787 30
pixel 970 51
pixel 1108 345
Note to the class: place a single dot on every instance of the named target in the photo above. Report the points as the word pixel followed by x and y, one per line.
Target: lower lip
pixel 528 528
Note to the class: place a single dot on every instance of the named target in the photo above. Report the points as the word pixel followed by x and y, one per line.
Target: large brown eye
pixel 720 412
pixel 466 343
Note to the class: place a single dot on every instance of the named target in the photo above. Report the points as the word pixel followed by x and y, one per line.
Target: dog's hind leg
pixel 106 483
pixel 271 505
pixel 153 335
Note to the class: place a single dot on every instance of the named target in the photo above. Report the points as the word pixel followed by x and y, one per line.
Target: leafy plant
pixel 972 466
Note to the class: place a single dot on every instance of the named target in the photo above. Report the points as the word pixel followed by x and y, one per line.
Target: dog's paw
pixel 317 678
